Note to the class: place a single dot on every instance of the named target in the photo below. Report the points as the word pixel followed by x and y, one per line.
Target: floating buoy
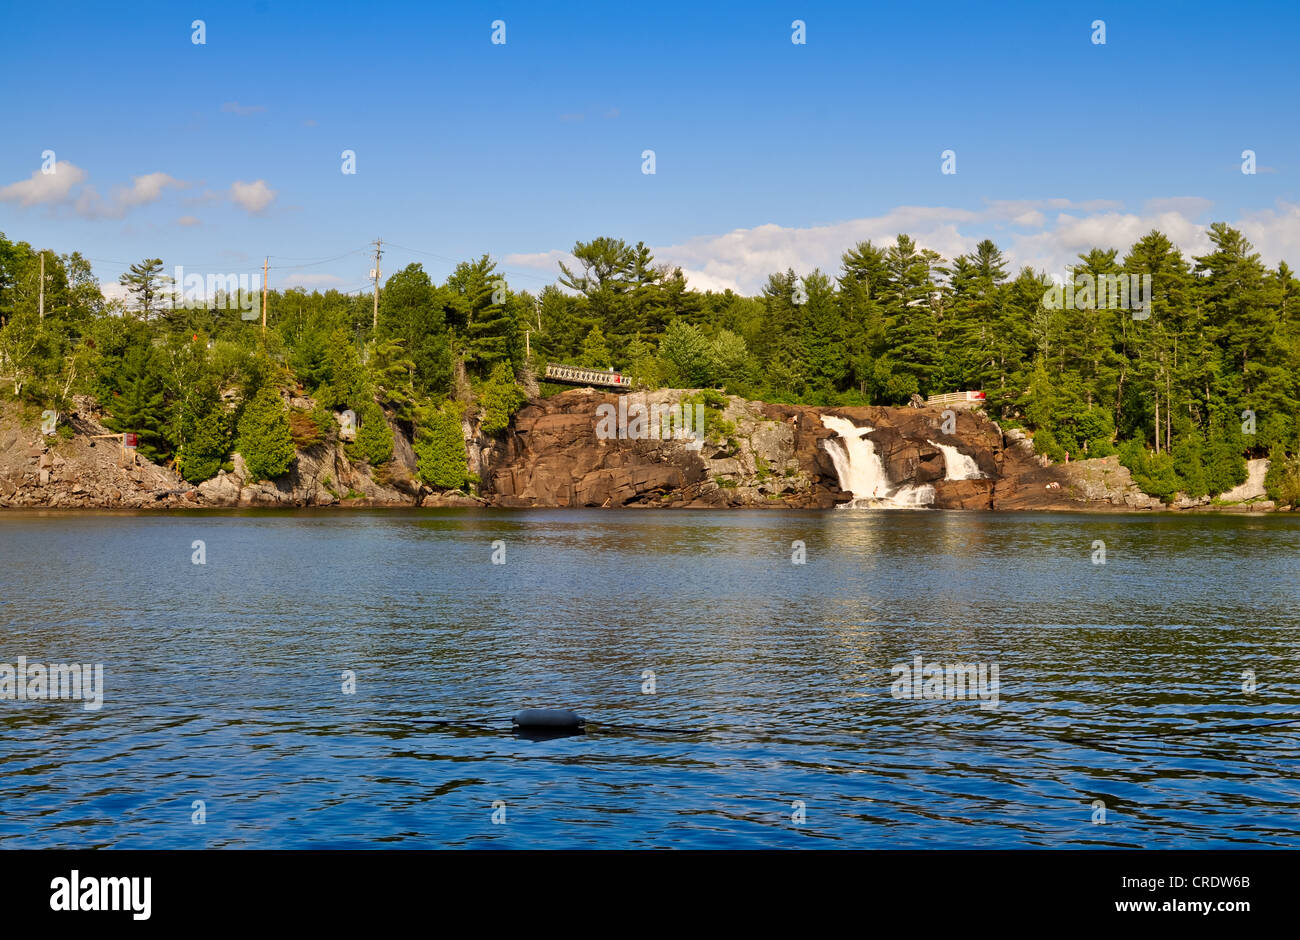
pixel 548 719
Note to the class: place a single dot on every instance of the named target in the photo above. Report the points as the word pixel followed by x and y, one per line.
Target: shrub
pixel 686 355
pixel 1289 488
pixel 264 437
pixel 304 430
pixel 205 452
pixel 374 441
pixel 1225 464
pixel 1189 464
pixel 440 455
pixel 325 422
pixel 1045 443
pixel 1282 482
pixel 1153 474
pixel 500 398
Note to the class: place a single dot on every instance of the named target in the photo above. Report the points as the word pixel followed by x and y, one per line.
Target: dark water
pixel 223 681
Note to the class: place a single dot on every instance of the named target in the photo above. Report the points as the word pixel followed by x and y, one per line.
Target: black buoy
pixel 548 719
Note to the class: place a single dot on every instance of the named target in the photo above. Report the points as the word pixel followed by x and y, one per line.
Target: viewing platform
pixel 968 399
pixel 578 375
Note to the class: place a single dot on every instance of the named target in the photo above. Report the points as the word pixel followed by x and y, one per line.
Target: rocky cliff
pixel 88 468
pixel 760 455
pixel 600 449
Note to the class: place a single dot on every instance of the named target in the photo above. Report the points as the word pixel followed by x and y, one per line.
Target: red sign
pixel 975 396
pixel 130 440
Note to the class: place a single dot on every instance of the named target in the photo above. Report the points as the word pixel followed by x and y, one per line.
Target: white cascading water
pixel 862 472
pixel 958 466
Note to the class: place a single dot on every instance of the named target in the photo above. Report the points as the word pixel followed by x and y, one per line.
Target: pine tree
pixel 146 283
pixel 138 406
pixel 595 351
pixel 439 447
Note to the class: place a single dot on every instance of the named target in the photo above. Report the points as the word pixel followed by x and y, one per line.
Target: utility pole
pixel 41 308
pixel 379 246
pixel 266 262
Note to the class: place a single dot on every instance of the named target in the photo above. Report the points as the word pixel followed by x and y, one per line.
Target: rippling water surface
pixel 223 681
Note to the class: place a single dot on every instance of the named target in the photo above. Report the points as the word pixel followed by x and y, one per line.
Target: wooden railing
pixel 578 375
pixel 956 398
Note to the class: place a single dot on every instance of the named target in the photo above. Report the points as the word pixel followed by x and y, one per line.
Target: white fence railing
pixel 954 398
pixel 580 376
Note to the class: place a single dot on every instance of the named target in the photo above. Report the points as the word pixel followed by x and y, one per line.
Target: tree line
pixel 1184 391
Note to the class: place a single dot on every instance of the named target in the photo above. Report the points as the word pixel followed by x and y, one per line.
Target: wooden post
pixel 265 264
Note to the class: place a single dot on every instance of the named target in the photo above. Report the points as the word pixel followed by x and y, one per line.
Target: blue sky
pixel 767 153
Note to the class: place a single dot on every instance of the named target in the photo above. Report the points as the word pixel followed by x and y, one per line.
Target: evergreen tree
pixel 595 351
pixel 264 440
pixel 137 407
pixel 439 447
pixel 206 450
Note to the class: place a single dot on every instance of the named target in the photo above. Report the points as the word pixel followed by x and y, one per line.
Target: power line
pixel 309 264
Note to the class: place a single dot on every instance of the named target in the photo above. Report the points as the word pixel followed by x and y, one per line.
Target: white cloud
pixel 142 191
pixel 113 290
pixel 145 189
pixel 55 189
pixel 45 188
pixel 548 261
pixel 1046 234
pixel 1275 233
pixel 253 197
pixel 188 220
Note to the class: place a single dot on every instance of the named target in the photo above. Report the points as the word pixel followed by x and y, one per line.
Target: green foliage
pixel 441 460
pixel 1282 481
pixel 1154 474
pixel 138 407
pixel 205 452
pixel 1225 464
pixel 1045 443
pixel 729 365
pixel 595 351
pixel 374 440
pixel 323 418
pixel 1219 335
pixel 264 438
pixel 500 397
pixel 686 356
pixel 716 427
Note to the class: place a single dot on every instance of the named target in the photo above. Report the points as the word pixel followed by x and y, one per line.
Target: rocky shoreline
pixel 556 454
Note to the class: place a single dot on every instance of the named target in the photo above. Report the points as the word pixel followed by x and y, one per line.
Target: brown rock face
pixel 773 455
pixel 963 494
pixel 555 455
pixel 907 460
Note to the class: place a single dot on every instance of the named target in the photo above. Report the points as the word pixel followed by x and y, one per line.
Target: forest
pixel 1184 393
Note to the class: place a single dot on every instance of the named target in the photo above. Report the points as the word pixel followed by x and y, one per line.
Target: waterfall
pixel 958 466
pixel 862 472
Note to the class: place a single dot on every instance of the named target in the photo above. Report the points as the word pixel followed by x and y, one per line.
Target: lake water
pixel 223 682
